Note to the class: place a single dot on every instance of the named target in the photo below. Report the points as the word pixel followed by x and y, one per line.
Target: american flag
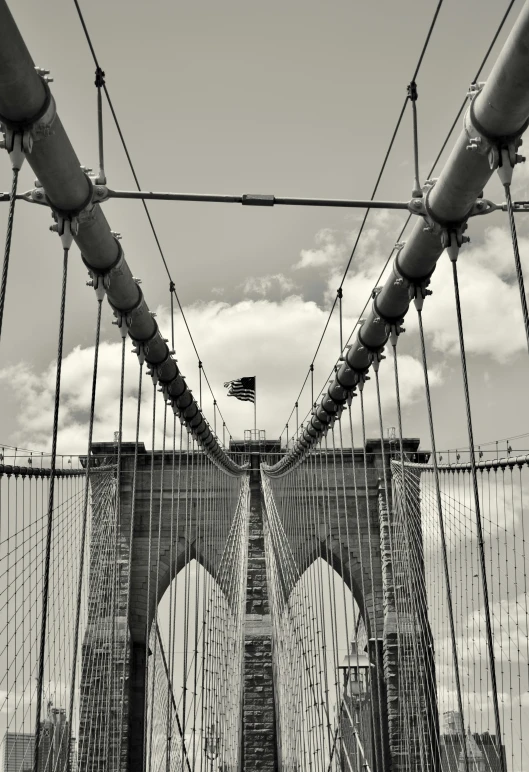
pixel 242 388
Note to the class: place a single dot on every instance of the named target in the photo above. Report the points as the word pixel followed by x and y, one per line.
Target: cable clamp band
pixel 101 280
pixel 450 233
pixel 66 227
pixel 483 143
pixel 129 313
pixel 31 129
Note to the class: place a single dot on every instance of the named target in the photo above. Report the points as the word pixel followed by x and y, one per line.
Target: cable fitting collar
pixel 483 143
pixel 34 128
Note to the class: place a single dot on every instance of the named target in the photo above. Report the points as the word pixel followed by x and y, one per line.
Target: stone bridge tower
pixel 369 575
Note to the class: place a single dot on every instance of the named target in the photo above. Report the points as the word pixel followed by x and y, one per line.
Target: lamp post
pixel 212 744
pixel 356 668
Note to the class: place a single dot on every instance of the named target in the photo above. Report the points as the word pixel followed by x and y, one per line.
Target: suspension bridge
pixel 331 599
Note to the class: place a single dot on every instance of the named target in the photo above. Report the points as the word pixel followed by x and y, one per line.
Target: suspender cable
pixel 115 575
pixel 51 492
pixel 455 655
pixel 131 542
pixel 171 290
pixel 297 420
pixel 481 544
pixel 157 580
pixel 412 96
pixel 373 627
pixel 84 526
pixel 149 566
pixel 517 262
pixel 7 250
pixel 340 296
pixel 99 83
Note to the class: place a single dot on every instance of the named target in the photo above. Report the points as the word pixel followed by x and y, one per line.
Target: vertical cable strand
pixel 7 250
pixel 481 546
pixel 51 492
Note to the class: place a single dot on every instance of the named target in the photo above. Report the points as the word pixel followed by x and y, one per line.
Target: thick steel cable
pixel 517 262
pixel 51 492
pixel 455 655
pixel 481 543
pixel 84 525
pixel 7 249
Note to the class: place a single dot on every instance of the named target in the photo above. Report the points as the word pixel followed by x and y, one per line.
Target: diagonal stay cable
pixel 137 182
pixel 373 194
pixel 432 168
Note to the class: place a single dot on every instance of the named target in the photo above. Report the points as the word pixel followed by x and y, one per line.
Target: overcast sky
pixel 294 99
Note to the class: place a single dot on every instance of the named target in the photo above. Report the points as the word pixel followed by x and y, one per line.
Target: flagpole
pixel 255 409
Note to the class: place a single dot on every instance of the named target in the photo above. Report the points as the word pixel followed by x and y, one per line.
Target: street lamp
pixel 356 666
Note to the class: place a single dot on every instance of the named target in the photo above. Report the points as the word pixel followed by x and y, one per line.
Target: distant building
pixel 484 754
pixel 53 745
pixel 18 748
pixel 17 752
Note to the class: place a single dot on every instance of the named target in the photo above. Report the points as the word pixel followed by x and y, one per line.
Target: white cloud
pixel 262 285
pixel 490 299
pixel 328 252
pixel 492 317
pixel 273 340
